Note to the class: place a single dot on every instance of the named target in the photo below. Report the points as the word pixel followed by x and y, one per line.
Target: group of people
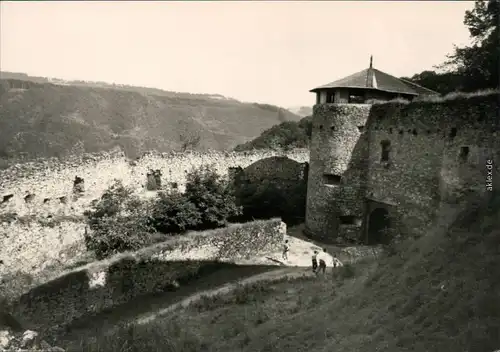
pixel 319 259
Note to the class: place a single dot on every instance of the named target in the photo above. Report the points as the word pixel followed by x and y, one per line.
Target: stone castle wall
pixel 438 154
pixel 47 187
pixel 102 285
pixel 48 226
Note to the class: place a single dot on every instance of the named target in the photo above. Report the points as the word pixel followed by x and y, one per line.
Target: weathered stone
pixel 30 340
pixel 37 243
pixel 119 279
pixel 411 160
pixel 5 339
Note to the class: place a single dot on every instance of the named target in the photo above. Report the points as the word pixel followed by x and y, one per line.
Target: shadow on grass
pixel 197 276
pixel 168 333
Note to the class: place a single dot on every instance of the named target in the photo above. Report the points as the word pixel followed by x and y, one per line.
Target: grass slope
pixel 439 293
pixel 39 119
pixel 289 134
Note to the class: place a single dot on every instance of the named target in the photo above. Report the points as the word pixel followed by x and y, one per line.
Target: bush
pixel 118 222
pixel 213 196
pixel 174 213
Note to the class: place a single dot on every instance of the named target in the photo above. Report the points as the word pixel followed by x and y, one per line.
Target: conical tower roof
pixel 371 78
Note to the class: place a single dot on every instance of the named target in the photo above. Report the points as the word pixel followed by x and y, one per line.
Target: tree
pixel 478 63
pixel 173 213
pixel 213 196
pixel 189 140
pixel 473 67
pixel 118 222
pixel 442 83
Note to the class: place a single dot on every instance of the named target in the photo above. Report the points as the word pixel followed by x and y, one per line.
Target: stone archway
pixel 378 222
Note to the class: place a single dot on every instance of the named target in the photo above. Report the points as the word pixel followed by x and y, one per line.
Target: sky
pixel 267 52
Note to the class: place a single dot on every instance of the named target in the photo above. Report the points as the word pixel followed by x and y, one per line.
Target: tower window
pixel 330 179
pixel 356 98
pixel 464 154
pixel 453 133
pixel 386 148
pixel 347 220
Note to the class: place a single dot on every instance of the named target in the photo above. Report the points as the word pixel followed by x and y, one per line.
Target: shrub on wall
pixel 118 222
pixel 213 196
pixel 174 213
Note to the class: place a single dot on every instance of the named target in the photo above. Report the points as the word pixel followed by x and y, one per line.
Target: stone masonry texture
pixel 124 277
pixel 438 156
pixel 41 223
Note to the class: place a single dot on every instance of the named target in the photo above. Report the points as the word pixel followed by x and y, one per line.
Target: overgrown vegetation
pixel 286 135
pixel 120 221
pixel 443 289
pixel 473 67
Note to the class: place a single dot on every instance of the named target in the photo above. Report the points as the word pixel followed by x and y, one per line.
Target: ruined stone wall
pixel 47 225
pixel 438 154
pixel 46 187
pixel 106 284
pixel 425 166
pixel 337 170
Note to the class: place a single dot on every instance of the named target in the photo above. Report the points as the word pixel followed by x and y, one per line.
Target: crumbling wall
pixel 52 183
pixel 33 245
pixel 426 167
pixel 106 284
pixel 47 192
pixel 414 160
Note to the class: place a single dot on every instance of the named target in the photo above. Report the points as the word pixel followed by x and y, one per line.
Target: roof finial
pixel 371 61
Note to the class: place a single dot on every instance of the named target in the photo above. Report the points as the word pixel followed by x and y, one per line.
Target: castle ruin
pixel 378 169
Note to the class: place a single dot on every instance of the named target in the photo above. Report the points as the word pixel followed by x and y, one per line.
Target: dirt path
pixel 268 276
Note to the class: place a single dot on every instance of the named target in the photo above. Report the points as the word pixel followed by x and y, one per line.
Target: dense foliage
pixel 286 135
pixel 117 222
pixel 120 221
pixel 473 67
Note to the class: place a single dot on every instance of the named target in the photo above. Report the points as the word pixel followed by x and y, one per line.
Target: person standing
pixel 336 262
pixel 315 261
pixel 322 261
pixel 286 249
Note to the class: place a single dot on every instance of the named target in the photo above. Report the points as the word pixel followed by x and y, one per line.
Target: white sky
pixel 269 52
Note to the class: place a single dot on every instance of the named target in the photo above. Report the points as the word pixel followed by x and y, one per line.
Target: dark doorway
pixel 378 222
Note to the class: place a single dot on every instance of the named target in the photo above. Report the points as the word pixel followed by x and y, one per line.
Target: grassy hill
pixel 39 118
pixel 438 293
pixel 289 134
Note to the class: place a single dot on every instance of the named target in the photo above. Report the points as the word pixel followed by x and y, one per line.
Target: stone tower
pixel 337 196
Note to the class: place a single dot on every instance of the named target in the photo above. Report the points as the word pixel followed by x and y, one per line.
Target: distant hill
pixel 44 117
pixel 289 134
